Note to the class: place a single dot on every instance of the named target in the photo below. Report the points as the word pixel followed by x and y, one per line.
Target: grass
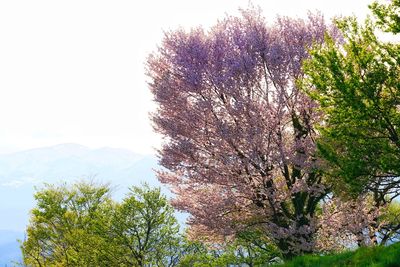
pixel 376 256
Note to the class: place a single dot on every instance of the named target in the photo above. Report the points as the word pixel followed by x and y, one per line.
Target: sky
pixel 74 71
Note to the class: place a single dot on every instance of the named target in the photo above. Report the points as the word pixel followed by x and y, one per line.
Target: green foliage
pixel 357 85
pixel 388 15
pixel 391 213
pixel 390 223
pixel 67 224
pixel 144 228
pixel 248 249
pixel 378 256
pixel 82 226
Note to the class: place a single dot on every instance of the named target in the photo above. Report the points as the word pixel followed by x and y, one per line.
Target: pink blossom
pixel 239 135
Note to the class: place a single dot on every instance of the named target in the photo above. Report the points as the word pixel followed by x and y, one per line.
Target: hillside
pixel 363 257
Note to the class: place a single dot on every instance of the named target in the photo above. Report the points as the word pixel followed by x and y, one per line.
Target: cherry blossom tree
pixel 348 223
pixel 239 141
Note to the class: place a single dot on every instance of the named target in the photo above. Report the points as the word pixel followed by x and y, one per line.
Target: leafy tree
pixel 145 229
pixel 357 84
pixel 68 227
pixel 82 226
pixel 239 137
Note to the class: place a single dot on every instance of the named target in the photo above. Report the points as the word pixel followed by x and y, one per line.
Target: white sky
pixel 73 71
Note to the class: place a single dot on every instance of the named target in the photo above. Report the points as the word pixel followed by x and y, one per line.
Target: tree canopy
pixel 81 225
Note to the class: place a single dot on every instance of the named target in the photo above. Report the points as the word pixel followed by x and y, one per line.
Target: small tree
pixel 145 229
pixel 69 227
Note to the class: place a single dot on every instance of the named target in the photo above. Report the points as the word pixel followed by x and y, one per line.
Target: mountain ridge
pixel 21 171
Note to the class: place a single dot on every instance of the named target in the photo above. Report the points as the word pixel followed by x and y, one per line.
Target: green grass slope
pixel 377 257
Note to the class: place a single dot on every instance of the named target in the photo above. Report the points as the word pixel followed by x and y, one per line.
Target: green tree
pixel 80 225
pixel 68 227
pixel 357 84
pixel 144 229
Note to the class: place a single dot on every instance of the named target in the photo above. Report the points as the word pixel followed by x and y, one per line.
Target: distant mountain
pixel 63 161
pixel 9 247
pixel 20 172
